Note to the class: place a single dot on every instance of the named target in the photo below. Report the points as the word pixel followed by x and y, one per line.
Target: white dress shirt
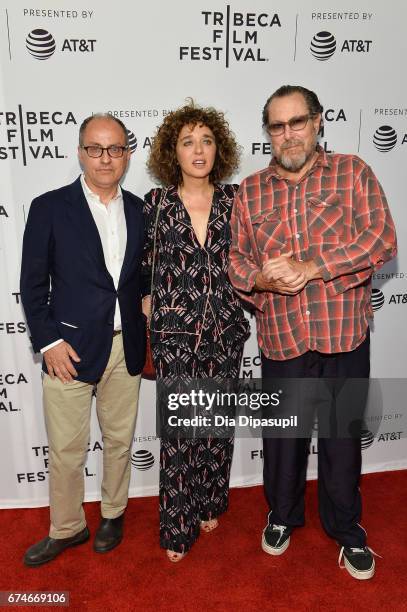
pixel 111 224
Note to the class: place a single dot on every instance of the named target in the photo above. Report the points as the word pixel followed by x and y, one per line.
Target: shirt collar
pixel 322 161
pixel 94 196
pixel 173 201
pixel 172 195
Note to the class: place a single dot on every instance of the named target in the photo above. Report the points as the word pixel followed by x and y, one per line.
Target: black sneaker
pixel 358 562
pixel 276 539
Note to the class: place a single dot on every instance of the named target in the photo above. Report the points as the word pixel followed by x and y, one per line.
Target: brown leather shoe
pixel 49 548
pixel 109 535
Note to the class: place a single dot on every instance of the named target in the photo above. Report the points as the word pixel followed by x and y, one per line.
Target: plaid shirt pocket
pixel 325 217
pixel 269 232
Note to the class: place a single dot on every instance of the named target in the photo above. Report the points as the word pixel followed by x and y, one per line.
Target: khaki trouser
pixel 67 409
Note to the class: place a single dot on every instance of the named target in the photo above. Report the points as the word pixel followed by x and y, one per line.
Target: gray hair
pixel 311 99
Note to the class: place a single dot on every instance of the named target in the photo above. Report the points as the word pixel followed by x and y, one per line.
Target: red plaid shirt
pixel 336 215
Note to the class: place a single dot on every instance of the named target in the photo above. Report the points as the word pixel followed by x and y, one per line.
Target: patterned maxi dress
pixel 198 330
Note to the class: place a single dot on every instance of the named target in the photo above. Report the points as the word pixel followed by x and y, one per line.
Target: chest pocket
pixel 325 217
pixel 269 232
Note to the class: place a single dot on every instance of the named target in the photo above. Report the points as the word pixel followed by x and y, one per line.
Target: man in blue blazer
pixel 81 291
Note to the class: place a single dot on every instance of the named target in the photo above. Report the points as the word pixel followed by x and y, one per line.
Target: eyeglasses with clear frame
pixel 114 151
pixel 296 124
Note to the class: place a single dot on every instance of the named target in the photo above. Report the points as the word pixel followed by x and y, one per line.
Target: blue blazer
pixel 62 246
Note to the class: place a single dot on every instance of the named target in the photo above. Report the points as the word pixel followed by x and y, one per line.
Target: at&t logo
pixel 366 439
pixel 385 138
pixel 390 436
pixel 132 141
pixel 377 299
pixel 41 44
pixel 323 45
pixel 142 460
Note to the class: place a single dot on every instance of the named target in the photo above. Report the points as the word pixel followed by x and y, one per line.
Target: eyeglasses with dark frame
pixel 296 124
pixel 114 151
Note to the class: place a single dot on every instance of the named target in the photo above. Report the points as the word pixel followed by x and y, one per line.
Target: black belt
pixel 116 332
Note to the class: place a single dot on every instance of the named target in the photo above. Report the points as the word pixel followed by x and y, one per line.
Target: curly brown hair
pixel 162 163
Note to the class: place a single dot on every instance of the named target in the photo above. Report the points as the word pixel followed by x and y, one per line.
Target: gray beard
pixel 293 164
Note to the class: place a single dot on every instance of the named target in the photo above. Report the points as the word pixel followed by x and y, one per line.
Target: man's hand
pixel 286 275
pixel 59 364
pixel 277 286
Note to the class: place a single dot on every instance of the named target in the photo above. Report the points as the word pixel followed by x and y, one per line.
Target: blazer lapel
pixel 134 236
pixel 87 230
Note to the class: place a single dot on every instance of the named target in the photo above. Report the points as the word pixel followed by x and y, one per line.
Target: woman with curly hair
pixel 197 325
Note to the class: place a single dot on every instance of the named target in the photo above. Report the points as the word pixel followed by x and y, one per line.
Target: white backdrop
pixel 62 62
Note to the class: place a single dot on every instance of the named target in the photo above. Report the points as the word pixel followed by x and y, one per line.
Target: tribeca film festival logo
pixel 323 46
pixel 7 384
pixel 10 328
pixel 257 454
pixel 30 135
pixel 233 37
pixel 3 211
pixel 366 440
pixel 41 453
pixel 142 460
pixel 42 45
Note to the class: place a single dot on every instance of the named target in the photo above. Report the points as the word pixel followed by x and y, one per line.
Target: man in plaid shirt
pixel 307 233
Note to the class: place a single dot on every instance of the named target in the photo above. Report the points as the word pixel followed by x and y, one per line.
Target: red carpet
pixel 226 570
